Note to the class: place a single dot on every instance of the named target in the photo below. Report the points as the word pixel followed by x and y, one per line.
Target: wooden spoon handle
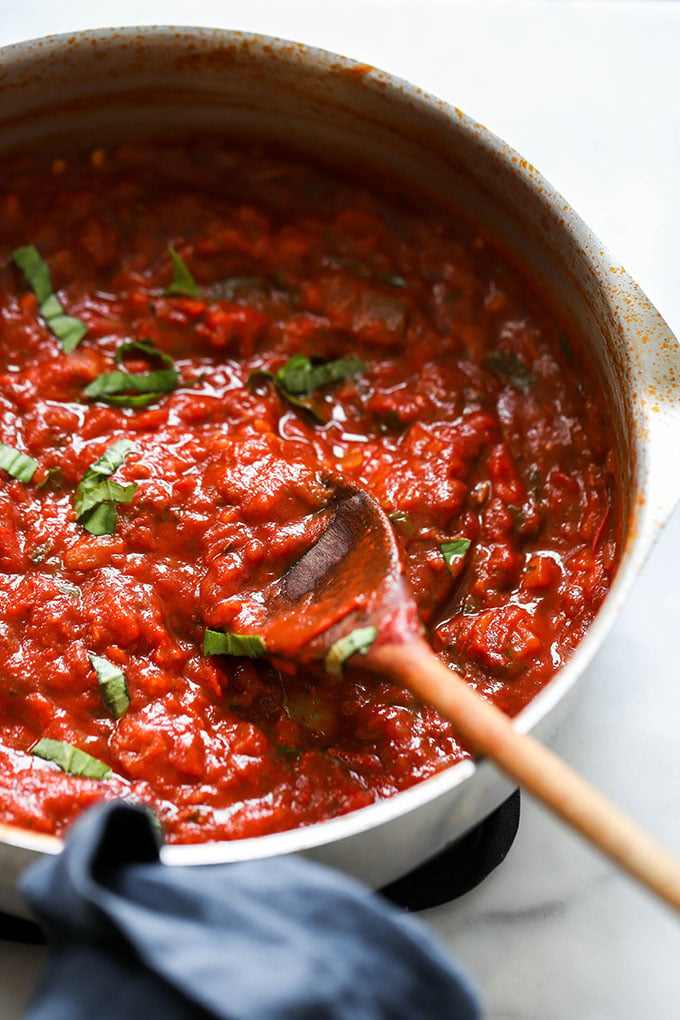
pixel 486 730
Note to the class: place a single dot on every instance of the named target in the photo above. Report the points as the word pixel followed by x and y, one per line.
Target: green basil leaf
pixel 110 461
pixel 67 329
pixel 133 399
pixel 509 368
pixel 95 508
pixel 96 494
pixel 127 389
pixel 295 376
pixel 35 270
pixel 105 491
pixel 261 374
pixel 51 309
pixel 144 348
pixel 17 464
pixel 305 405
pixel 358 641
pixel 300 376
pixel 217 642
pixel 122 385
pixel 113 684
pixel 71 759
pixel 182 281
pixel 453 549
pixel 101 520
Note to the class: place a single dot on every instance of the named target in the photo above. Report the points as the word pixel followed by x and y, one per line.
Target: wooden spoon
pixel 351 578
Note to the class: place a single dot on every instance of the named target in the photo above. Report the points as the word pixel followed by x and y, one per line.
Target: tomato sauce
pixel 475 421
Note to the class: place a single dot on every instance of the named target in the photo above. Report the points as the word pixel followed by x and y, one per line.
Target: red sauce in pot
pixel 475 422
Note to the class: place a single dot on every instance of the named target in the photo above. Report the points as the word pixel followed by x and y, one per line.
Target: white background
pixel 590 94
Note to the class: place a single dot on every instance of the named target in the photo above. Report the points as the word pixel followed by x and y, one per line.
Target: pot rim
pixel 657 418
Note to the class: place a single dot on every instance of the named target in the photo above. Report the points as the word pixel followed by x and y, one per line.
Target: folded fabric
pixel 277 938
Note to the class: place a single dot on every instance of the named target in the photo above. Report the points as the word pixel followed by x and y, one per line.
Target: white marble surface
pixel 589 92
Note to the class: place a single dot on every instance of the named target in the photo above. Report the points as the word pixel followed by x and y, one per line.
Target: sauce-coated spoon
pixel 351 578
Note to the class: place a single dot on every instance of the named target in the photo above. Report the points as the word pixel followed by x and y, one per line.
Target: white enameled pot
pixel 94 87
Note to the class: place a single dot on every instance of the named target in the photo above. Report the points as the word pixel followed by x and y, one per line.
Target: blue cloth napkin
pixel 282 938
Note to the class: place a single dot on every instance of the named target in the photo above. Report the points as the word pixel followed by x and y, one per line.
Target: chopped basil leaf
pixel 118 399
pixel 300 377
pixel 122 387
pixel 51 309
pixel 113 684
pixel 110 461
pixel 306 405
pixel 126 389
pixel 454 549
pixel 144 348
pixel 509 368
pixel 105 491
pixel 67 329
pixel 96 494
pixel 136 399
pixel 395 281
pixel 95 507
pixel 182 281
pixel 71 759
pixel 101 520
pixel 17 464
pixel 35 270
pixel 216 642
pixel 359 640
